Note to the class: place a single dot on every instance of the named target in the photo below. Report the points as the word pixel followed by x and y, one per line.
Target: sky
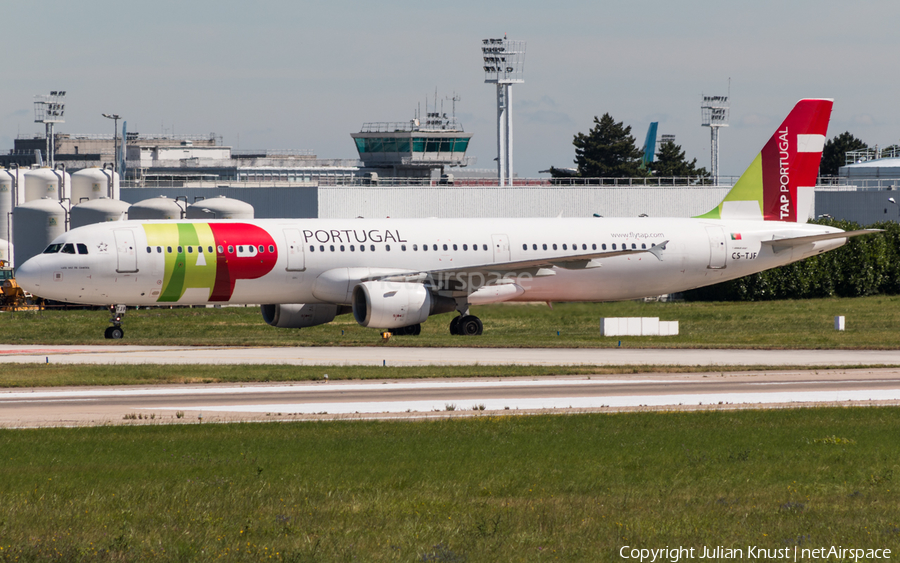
pixel 279 74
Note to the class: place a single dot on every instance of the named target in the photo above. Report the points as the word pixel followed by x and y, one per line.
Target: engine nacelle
pixel 299 315
pixel 378 304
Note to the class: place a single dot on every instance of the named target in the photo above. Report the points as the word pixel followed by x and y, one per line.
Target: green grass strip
pixel 494 489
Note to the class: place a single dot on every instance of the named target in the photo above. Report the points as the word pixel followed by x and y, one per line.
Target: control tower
pixel 416 148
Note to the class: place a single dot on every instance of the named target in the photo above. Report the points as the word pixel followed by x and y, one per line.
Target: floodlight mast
pixel 49 110
pixel 504 65
pixel 714 114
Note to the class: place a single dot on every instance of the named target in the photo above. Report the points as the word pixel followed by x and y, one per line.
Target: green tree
pixel 834 151
pixel 607 151
pixel 671 161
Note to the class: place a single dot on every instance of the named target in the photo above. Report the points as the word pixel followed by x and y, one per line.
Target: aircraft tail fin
pixel 779 184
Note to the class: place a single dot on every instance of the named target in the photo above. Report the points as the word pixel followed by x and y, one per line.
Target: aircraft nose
pixel 28 275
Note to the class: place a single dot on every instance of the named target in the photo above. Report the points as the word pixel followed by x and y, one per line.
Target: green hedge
pixel 866 265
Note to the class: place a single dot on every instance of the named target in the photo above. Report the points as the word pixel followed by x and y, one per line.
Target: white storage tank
pixel 97 211
pixel 45 182
pixel 220 207
pixel 11 188
pixel 6 253
pixel 94 183
pixel 35 225
pixel 156 208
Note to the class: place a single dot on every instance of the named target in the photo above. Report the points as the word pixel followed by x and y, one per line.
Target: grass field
pixel 554 488
pixel 872 323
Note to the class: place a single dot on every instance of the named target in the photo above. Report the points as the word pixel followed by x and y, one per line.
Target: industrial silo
pixel 45 182
pixel 6 253
pixel 94 183
pixel 220 208
pixel 35 224
pixel 156 208
pixel 11 188
pixel 97 211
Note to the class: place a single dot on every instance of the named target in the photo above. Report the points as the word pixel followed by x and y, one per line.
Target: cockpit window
pixel 69 248
pixel 82 248
pixel 53 249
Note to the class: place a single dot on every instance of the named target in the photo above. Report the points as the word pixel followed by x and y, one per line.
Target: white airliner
pixel 395 273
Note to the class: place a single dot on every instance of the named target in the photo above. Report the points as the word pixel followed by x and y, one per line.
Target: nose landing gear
pixel 117 313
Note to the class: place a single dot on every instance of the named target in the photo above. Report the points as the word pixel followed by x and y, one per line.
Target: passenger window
pixel 604 246
pixel 554 246
pixel 524 247
pixel 474 247
pixel 180 250
pixel 68 248
pixel 342 248
pixel 210 249
pixel 169 249
pixel 372 247
pixel 220 249
pixel 445 247
pixel 190 250
pixel 352 248
pixel 454 247
pixel 332 248
pixel 312 248
pixel 403 247
pixel 200 250
pixel 614 246
pixel 272 248
pixel 240 248
pixel 362 248
pixel 545 246
pixel 159 250
pixel 434 247
pixel 424 248
pixel 633 246
pixel 262 248
pixel 465 247
pixel 534 247
pixel 230 249
pixel 594 246
pixel 149 250
pixel 322 248
pixel 484 246
pixel 387 247
pixel 82 248
pixel 643 245
pixel 564 247
pixel 415 247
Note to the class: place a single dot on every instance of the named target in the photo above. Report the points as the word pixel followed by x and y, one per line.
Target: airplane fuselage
pixel 319 260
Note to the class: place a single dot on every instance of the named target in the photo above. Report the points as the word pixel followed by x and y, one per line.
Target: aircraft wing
pixel 782 244
pixel 475 276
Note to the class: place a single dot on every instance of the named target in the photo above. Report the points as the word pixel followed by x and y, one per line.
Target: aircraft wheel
pixel 454 326
pixel 115 332
pixel 470 325
pixel 108 333
pixel 414 330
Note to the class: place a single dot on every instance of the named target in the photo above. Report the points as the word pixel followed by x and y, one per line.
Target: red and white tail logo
pixel 790 161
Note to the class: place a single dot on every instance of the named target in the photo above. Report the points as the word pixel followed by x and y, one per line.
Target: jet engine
pixel 379 304
pixel 299 315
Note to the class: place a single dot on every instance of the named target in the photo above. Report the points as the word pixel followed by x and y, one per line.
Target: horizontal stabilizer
pixel 781 244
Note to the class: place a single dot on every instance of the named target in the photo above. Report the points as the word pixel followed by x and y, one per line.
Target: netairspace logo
pixel 753 553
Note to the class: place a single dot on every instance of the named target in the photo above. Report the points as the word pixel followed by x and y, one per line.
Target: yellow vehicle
pixel 13 297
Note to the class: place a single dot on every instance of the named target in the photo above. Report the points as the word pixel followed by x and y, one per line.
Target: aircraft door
pixel 296 258
pixel 125 250
pixel 501 248
pixel 717 250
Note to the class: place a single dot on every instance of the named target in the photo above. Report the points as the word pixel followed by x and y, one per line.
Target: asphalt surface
pixel 451 397
pixel 400 356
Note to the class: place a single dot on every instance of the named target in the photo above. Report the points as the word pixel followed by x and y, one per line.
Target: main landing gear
pixel 466 325
pixel 117 313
